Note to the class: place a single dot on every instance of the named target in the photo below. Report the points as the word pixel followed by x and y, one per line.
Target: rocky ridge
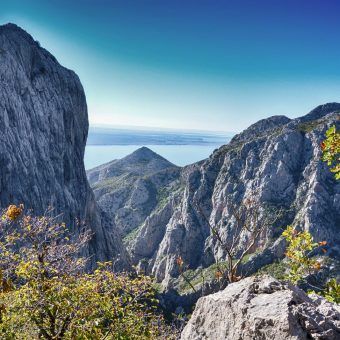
pixel 277 160
pixel 44 125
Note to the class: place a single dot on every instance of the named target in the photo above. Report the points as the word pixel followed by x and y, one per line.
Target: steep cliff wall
pixel 43 131
pixel 277 160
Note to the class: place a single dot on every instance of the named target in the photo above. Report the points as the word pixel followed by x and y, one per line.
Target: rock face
pixel 131 189
pixel 43 131
pixel 262 308
pixel 276 161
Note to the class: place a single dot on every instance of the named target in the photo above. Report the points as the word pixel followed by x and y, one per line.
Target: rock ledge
pixel 263 308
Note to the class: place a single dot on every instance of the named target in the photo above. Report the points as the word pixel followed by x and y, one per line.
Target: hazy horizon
pixel 105 144
pixel 158 128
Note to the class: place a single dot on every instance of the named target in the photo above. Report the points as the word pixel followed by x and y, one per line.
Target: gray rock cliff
pixel 277 160
pixel 43 131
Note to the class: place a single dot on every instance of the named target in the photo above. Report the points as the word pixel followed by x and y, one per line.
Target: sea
pixel 179 147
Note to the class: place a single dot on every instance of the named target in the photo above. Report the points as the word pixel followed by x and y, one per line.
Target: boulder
pixel 263 308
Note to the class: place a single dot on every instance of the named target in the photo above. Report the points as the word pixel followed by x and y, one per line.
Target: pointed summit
pixel 141 162
pixel 321 111
pixel 130 189
pixel 144 154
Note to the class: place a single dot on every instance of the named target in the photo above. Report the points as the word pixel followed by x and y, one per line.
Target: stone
pixel 263 308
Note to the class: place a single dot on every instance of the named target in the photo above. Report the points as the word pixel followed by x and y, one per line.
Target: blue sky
pixel 208 65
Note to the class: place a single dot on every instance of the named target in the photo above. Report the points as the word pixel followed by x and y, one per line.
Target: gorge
pixel 145 213
pixel 276 160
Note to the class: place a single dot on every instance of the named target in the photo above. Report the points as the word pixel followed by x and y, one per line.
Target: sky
pixel 206 65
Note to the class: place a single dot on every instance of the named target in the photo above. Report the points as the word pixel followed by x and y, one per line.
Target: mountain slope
pixel 277 160
pixel 130 189
pixel 44 125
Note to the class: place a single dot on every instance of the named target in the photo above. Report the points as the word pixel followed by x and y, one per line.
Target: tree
pixel 182 268
pixel 250 220
pixel 45 292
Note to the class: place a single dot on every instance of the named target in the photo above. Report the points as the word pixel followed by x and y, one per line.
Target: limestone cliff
pixel 43 131
pixel 277 160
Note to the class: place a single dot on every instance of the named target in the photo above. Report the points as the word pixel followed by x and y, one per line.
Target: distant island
pixel 154 136
pixel 182 147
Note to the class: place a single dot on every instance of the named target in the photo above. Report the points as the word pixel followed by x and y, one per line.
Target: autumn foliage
pixel 301 262
pixel 298 254
pixel 46 294
pixel 331 151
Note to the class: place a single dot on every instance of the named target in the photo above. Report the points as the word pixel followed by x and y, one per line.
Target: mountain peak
pixel 321 111
pixel 13 28
pixel 142 161
pixel 21 40
pixel 145 151
pixel 260 127
pixel 144 154
pixel 273 122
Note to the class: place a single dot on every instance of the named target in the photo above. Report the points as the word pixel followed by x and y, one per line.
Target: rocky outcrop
pixel 131 189
pixel 276 161
pixel 43 131
pixel 263 308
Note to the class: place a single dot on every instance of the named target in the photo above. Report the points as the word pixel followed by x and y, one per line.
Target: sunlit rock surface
pixel 263 308
pixel 277 160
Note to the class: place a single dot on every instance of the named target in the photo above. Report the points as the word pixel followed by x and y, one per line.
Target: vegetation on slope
pixel 331 151
pixel 46 293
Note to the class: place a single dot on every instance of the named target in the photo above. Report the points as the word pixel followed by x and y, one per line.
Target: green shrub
pixel 276 270
pixel 45 293
pixel 299 249
pixel 331 151
pixel 332 291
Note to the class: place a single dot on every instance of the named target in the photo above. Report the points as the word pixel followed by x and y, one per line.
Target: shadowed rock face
pixel 43 131
pixel 263 308
pixel 277 160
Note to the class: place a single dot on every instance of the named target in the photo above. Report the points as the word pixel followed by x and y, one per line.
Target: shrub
pixel 331 151
pixel 300 263
pixel 45 292
pixel 332 291
pixel 276 269
pixel 247 229
pixel 88 306
pixel 298 254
